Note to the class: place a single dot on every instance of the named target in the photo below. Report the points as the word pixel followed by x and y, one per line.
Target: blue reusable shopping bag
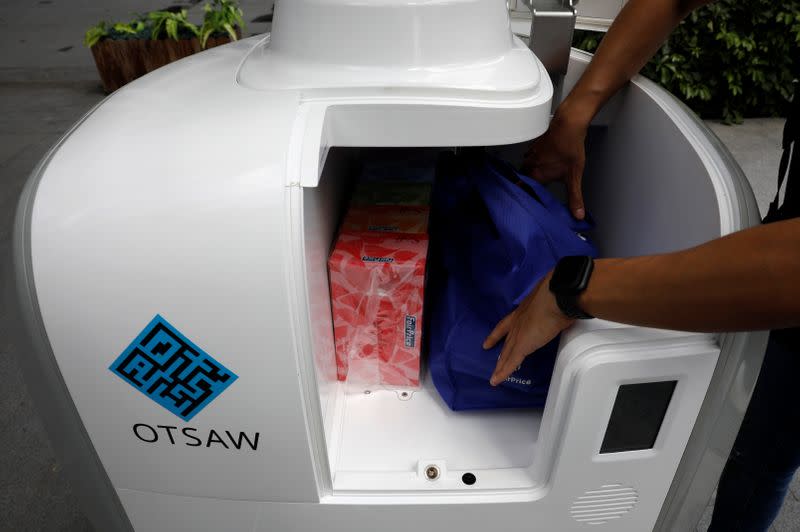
pixel 496 234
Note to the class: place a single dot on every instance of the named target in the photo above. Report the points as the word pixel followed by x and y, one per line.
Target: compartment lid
pixel 595 15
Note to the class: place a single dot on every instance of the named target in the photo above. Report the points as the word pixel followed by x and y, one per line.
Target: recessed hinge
pixel 552 27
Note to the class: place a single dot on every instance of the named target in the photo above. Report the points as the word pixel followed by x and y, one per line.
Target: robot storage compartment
pixel 376 429
pixel 376 438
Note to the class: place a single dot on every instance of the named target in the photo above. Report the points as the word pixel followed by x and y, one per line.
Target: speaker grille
pixel 611 501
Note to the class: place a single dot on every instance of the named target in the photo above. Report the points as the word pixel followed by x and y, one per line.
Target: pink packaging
pixel 377 289
pixel 387 219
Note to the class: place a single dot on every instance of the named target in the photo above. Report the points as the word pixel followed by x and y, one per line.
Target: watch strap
pixel 568 304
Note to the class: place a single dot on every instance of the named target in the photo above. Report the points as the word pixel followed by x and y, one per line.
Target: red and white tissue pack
pixel 377 288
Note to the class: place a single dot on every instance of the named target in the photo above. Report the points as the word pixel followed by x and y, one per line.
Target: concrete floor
pixel 46 84
pixel 41 40
pixel 34 495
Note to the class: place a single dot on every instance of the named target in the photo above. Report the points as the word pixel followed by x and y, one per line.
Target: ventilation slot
pixel 599 506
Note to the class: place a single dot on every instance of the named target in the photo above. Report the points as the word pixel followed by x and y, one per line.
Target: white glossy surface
pixel 407 121
pixel 592 364
pixel 465 44
pixel 385 431
pixel 118 237
pixel 514 70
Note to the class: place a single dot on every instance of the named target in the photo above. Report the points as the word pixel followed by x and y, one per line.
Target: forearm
pixel 746 281
pixel 638 31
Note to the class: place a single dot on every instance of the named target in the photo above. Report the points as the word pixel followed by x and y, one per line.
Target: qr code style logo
pixel 171 370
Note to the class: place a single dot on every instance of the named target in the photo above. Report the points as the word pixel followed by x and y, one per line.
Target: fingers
pixel 499 332
pixel 510 359
pixel 574 192
pixel 537 174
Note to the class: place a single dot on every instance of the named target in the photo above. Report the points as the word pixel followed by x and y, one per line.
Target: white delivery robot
pixel 170 265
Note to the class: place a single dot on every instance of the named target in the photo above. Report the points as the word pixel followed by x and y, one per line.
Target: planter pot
pixel 122 61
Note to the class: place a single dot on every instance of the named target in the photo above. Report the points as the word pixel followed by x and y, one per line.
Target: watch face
pixel 571 274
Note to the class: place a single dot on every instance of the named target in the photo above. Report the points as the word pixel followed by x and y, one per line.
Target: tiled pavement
pixel 41 40
pixel 34 495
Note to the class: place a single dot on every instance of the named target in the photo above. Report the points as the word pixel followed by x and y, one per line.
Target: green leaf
pixel 222 17
pixel 729 59
pixel 230 31
pixel 171 26
pixel 193 29
pixel 95 34
pixel 204 38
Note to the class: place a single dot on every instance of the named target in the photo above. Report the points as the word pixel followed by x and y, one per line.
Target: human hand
pixel 559 155
pixel 535 322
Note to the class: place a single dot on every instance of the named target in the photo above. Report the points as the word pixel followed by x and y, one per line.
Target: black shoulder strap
pixel 789 168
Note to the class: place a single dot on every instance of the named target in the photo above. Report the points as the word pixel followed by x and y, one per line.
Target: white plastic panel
pixel 159 512
pixel 664 207
pixel 391 32
pixel 409 121
pixel 592 364
pixel 197 237
pixel 321 209
pixel 590 369
pixel 384 432
pixel 456 44
pixel 513 70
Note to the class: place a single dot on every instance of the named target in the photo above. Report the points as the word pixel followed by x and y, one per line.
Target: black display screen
pixel 637 415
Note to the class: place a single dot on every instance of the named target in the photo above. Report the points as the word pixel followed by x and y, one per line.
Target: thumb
pixel 575 194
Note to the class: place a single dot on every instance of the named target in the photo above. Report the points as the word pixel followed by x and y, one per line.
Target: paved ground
pixel 47 81
pixel 33 492
pixel 42 39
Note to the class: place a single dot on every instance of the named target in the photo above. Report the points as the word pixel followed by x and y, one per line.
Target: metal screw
pixel 432 472
pixel 404 394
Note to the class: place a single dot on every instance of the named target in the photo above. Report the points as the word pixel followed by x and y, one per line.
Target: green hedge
pixel 729 60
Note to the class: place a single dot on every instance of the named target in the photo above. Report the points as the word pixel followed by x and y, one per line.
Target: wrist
pixel 574 113
pixel 555 309
pixel 598 297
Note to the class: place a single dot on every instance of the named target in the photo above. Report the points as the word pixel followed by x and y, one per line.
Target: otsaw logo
pixel 171 370
pixel 194 437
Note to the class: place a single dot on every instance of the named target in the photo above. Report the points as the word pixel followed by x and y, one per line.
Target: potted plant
pixel 126 51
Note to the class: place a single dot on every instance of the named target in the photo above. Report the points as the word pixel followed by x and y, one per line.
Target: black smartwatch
pixel 571 277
